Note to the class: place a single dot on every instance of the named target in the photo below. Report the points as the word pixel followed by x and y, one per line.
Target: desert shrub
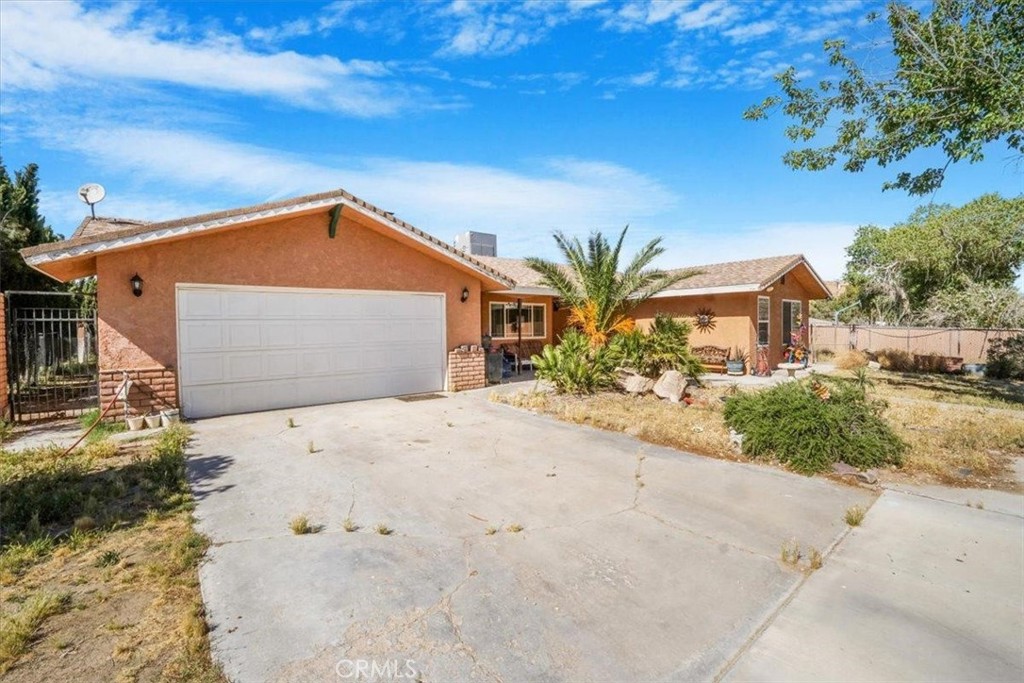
pixel 664 347
pixel 1005 359
pixel 575 366
pixel 794 424
pixel 930 362
pixel 896 360
pixel 851 360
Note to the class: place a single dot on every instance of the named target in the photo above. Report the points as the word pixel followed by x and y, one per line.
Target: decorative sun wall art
pixel 704 320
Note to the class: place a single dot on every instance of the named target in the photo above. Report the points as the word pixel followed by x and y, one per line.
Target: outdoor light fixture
pixel 136 285
pixel 465 294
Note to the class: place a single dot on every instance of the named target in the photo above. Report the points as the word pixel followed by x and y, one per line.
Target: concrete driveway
pixel 635 562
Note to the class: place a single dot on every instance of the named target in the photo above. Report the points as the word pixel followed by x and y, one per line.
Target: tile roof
pixel 759 271
pixel 93 231
pixel 93 227
pixel 514 268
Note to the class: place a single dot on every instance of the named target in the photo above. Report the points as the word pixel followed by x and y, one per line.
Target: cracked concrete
pixel 636 562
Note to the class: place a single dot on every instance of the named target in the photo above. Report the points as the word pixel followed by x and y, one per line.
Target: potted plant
pixel 136 423
pixel 736 364
pixel 153 421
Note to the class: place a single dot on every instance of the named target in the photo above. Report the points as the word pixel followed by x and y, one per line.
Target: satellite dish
pixel 92 194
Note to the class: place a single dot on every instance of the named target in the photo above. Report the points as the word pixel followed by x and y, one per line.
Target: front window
pixel 763 312
pixel 791 313
pixel 507 321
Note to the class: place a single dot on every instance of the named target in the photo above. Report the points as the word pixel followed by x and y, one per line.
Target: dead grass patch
pixel 698 428
pixel 850 360
pixel 958 445
pixel 134 611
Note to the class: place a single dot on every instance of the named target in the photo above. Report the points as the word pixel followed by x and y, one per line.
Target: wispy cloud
pixel 524 206
pixel 50 46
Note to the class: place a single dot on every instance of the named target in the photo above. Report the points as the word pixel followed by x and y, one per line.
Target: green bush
pixel 576 367
pixel 792 423
pixel 664 347
pixel 1005 359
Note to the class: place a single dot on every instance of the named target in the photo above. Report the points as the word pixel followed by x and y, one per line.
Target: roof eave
pixel 40 256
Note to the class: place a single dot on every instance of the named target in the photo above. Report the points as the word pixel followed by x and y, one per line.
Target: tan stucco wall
pixel 733 325
pixel 296 252
pixel 735 316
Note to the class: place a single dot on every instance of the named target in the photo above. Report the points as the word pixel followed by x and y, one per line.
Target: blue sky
pixel 516 119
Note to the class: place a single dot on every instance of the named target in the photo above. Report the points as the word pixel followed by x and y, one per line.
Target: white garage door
pixel 243 349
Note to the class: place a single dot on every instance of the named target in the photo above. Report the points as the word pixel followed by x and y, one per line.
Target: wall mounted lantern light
pixel 465 294
pixel 136 285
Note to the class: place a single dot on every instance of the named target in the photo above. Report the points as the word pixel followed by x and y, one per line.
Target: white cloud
pixel 523 207
pixel 713 13
pixel 747 32
pixel 637 80
pixel 52 46
pixel 493 29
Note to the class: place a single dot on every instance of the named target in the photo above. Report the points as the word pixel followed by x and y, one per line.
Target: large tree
pixel 913 269
pixel 956 82
pixel 21 225
pixel 599 294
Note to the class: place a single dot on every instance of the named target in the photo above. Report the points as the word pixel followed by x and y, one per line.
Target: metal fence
pixel 51 347
pixel 971 344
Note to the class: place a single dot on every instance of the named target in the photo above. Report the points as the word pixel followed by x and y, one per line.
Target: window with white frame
pixel 791 314
pixel 506 321
pixel 764 310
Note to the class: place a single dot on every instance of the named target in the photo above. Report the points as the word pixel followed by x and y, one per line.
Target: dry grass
pixel 850 360
pixel 514 528
pixel 698 428
pixel 955 436
pixel 790 553
pixel 854 515
pixel 957 444
pixel 383 529
pixel 301 525
pixel 131 579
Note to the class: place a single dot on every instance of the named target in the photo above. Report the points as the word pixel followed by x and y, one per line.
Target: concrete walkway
pixel 635 562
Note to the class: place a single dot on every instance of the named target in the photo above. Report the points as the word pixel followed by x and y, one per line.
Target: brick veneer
pixel 4 398
pixel 466 370
pixel 152 390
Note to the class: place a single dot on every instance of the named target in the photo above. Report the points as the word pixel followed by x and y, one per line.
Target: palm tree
pixel 598 293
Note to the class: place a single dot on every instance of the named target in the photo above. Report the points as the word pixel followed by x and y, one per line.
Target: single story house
pixel 326 298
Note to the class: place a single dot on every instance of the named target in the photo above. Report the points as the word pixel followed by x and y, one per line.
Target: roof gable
pixel 95 236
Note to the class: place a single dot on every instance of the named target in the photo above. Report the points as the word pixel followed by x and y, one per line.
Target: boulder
pixel 671 385
pixel 636 384
pixel 844 470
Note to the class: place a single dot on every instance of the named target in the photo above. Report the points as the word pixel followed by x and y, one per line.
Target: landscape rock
pixel 636 384
pixel 844 470
pixel 735 440
pixel 874 365
pixel 671 385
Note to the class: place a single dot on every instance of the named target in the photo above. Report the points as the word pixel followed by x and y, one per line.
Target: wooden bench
pixel 712 357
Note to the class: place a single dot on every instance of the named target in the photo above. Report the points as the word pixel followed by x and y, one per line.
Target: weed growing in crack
pixel 514 528
pixel 491 530
pixel 855 515
pixel 311 447
pixel 348 525
pixel 790 553
pixel 383 529
pixel 300 525
pixel 290 423
pixel 814 559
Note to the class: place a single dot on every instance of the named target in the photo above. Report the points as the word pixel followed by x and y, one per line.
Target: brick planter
pixel 466 370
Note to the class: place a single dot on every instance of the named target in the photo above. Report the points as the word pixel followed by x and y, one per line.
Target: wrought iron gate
pixel 51 345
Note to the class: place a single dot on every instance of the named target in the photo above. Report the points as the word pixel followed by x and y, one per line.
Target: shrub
pixel 791 423
pixel 575 366
pixel 851 360
pixel 896 360
pixel 665 346
pixel 1005 359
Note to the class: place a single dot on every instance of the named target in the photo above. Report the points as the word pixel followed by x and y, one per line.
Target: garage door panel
pixel 244 350
pixel 243 367
pixel 202 336
pixel 279 335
